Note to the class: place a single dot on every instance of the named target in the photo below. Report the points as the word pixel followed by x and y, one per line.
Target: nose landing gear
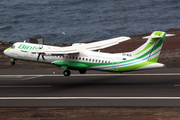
pixel 12 63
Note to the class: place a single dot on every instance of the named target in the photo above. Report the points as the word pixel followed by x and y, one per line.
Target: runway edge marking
pixel 49 75
pixel 89 98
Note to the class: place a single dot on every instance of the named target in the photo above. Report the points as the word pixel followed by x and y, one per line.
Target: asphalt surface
pixel 24 88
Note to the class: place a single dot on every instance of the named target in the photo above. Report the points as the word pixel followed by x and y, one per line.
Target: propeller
pixel 40 54
pixel 71 42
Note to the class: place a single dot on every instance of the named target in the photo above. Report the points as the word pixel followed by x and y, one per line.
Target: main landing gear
pixel 67 72
pixel 82 71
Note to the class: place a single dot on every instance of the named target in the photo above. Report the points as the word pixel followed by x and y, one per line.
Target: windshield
pixel 13 46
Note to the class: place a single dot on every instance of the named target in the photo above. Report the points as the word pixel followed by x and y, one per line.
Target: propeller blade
pixel 38 57
pixel 43 57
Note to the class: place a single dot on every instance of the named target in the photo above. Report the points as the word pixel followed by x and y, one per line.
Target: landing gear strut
pixel 67 73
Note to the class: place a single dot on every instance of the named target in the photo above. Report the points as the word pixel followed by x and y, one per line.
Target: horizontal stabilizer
pixel 154 36
pixel 169 35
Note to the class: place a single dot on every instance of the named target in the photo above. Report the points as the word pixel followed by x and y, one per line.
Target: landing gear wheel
pixel 82 71
pixel 67 73
pixel 13 63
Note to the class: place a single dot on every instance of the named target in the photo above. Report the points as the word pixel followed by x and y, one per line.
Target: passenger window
pixel 86 59
pixel 89 59
pixel 82 58
pixel 79 58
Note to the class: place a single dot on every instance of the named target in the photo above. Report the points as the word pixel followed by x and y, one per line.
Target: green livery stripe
pixel 124 67
pixel 84 65
pixel 132 67
pixel 78 65
pixel 9 48
pixel 147 53
pixel 154 59
pixel 153 40
pixel 150 51
pixel 160 42
pixel 155 47
pixel 158 33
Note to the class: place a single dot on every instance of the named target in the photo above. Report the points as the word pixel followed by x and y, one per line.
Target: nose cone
pixel 5 52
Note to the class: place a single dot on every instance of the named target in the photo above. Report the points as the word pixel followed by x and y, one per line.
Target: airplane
pixel 87 56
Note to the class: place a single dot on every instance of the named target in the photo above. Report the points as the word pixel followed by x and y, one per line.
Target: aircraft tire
pixel 67 73
pixel 13 63
pixel 82 71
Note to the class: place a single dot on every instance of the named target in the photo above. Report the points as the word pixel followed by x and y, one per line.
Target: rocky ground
pixel 170 56
pixel 91 113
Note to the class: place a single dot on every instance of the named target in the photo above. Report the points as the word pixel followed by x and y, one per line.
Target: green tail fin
pixel 151 49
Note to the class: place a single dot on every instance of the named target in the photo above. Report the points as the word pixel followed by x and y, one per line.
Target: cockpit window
pixel 13 46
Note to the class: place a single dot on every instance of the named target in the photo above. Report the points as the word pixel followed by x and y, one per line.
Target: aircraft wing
pixel 55 51
pixel 105 43
pixel 79 47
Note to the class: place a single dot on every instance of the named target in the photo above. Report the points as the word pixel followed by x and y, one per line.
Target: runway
pixel 24 88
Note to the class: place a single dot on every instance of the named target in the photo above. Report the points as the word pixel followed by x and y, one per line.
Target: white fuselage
pixel 89 59
pixel 20 51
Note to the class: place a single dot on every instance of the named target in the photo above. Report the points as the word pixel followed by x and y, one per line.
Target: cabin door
pixel 115 64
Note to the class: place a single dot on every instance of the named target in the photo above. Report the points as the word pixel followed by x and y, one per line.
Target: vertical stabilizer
pixel 151 49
